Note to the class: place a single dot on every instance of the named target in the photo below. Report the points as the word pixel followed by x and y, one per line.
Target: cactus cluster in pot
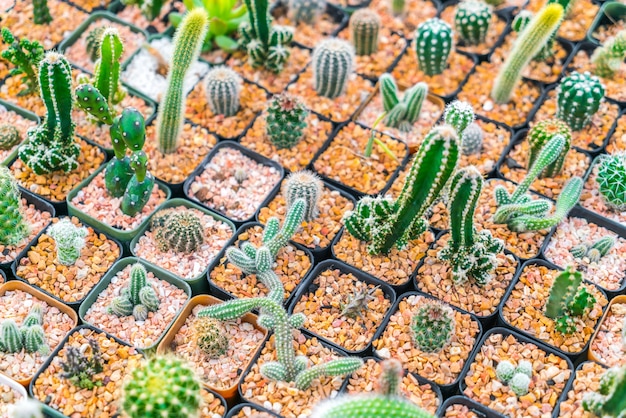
pixel 403 112
pixel 13 225
pixel 30 336
pixel 138 299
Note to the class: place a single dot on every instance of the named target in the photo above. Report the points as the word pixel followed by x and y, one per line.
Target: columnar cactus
pixel 472 139
pixel 285 121
pixel 364 28
pixel 187 43
pixel 11 340
pixel 182 232
pixel 138 298
pixel 13 225
pixel 93 42
pixel 138 280
pixel 41 12
pixel 210 337
pixel 521 20
pixel 471 254
pixel 69 240
pixel 50 146
pixel 472 20
pixel 528 44
pixel 610 399
pixel 304 185
pixel 222 86
pixel 9 137
pixel 537 138
pixel 459 115
pixel 578 99
pixel 401 113
pixel 518 378
pixel 162 386
pixel 608 58
pixel 25 55
pixel 611 181
pixel 433 44
pixel 433 326
pixel 333 61
pixel 306 11
pixel 568 300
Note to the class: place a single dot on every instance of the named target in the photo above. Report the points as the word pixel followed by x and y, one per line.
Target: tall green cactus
pixel 471 20
pixel 13 226
pixel 187 43
pixel 433 44
pixel 333 61
pixel 539 135
pixel 364 27
pixel 610 398
pixel 521 20
pixel 608 58
pixel 41 12
pixel 568 299
pixel 578 99
pixel 528 44
pixel 401 113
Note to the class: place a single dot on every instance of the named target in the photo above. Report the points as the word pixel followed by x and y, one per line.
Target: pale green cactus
pixel 401 113
pixel 364 27
pixel 609 401
pixel 69 240
pixel 608 58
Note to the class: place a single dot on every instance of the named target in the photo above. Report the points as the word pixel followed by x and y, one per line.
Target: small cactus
pixel 459 115
pixel 138 298
pixel 472 139
pixel 357 302
pixel 140 312
pixel 34 317
pixel 210 337
pixel 505 371
pixel 364 27
pixel 10 336
pixel 304 185
pixel 120 306
pixel 13 225
pixel 518 378
pixel 433 326
pixel 433 43
pixel 306 11
pixel 611 181
pixel 594 251
pixel 539 135
pixel 138 280
pixel 223 86
pixel 401 114
pixel 286 120
pixel 608 58
pixel 93 41
pixel 182 232
pixel 9 137
pixel 149 298
pixel 398 7
pixel 568 299
pixel 69 240
pixel 35 339
pixel 519 384
pixel 333 61
pixel 41 12
pixel 578 99
pixel 524 367
pixel 472 20
pixel 521 20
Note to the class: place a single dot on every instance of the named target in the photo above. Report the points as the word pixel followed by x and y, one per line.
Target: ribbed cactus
pixel 472 139
pixel 568 299
pixel 433 326
pixel 459 115
pixel 187 43
pixel 13 225
pixel 163 386
pixel 401 113
pixel 25 55
pixel 471 254
pixel 34 317
pixel 364 27
pixel 93 41
pixel 138 298
pixel 182 232
pixel 608 58
pixel 306 11
pixel 210 337
pixel 286 120
pixel 35 339
pixel 333 62
pixel 304 185
pixel 611 181
pixel 50 146
pixel 610 398
pixel 10 336
pixel 385 223
pixel 471 21
pixel 69 240
pixel 9 137
pixel 578 99
pixel 140 312
pixel 367 406
pixel 518 378
pixel 521 20
pixel 539 135
pixel 594 250
pixel 222 86
pixel 41 12
pixel 519 384
pixel 433 44
pixel 138 280
pixel 536 34
pixel 120 306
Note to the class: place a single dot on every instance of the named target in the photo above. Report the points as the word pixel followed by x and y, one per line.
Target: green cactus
pixel 333 62
pixel 182 232
pixel 385 223
pixel 364 27
pixel 50 146
pixel 222 86
pixel 138 280
pixel 163 386
pixel 149 298
pixel 538 32
pixel 521 20
pixel 401 114
pixel 41 12
pixel 210 337
pixel 13 226
pixel 568 299
pixel 471 20
pixel 9 137
pixel 433 326
pixel 459 115
pixel 10 336
pixel 433 44
pixel 34 317
pixel 306 11
pixel 138 298
pixel 187 43
pixel 364 406
pixel 539 135
pixel 471 254
pixel 610 398
pixel 69 240
pixel 25 55
pixel 524 367
pixel 472 139
pixel 35 339
pixel 120 306
pixel 151 9
pixel 579 251
pixel 505 371
pixel 608 58
pixel 519 384
pixel 518 378
pixel 398 7
pixel 286 120
pixel 140 312
pixel 93 41
pixel 304 185
pixel 600 248
pixel 611 181
pixel 578 99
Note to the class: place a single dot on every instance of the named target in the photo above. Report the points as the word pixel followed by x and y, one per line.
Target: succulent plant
pixel 539 135
pixel 223 86
pixel 472 139
pixel 471 21
pixel 578 99
pixel 9 137
pixel 433 44
pixel 140 312
pixel 11 338
pixel 93 42
pixel 505 371
pixel 35 339
pixel 433 326
pixel 41 12
pixel 401 113
pixel 210 337
pixel 357 302
pixel 138 298
pixel 521 20
pixel 459 115
pixel 519 384
pixel 524 367
pixel 151 9
pixel 13 225
pixel 333 62
pixel 304 185
pixel 608 58
pixel 81 366
pixel 120 306
pixel 594 250
pixel 518 378
pixel 611 181
pixel 364 27
pixel 610 398
pixel 286 120
pixel 69 240
pixel 25 55
pixel 182 232
pixel 306 11
pixel 568 299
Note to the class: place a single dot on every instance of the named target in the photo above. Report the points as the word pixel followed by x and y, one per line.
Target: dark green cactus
pixel 568 299
pixel 138 280
pixel 35 339
pixel 433 44
pixel 610 398
pixel 223 86
pixel 93 41
pixel 471 20
pixel 13 225
pixel 364 27
pixel 333 62
pixel 182 232
pixel 433 326
pixel 611 180
pixel 578 99
pixel 285 121
pixel 539 135
pixel 149 298
pixel 41 13
pixel 401 113
pixel 459 115
pixel 25 55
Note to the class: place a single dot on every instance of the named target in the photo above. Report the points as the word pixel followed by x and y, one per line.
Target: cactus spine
pixel 472 139
pixel 459 115
pixel 13 225
pixel 304 185
pixel 568 299
pixel 528 44
pixel 610 399
pixel 187 43
pixel 578 99
pixel 223 86
pixel 608 58
pixel 433 326
pixel 210 337
pixel 69 240
pixel 285 121
pixel 401 114
pixel 539 135
pixel 611 181
pixel 364 28
pixel 471 21
pixel 306 11
pixel 41 12
pixel 182 232
pixel 433 44
pixel 333 61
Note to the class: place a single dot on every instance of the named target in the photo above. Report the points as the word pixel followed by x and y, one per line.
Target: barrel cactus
pixel 471 21
pixel 210 337
pixel 182 232
pixel 286 120
pixel 578 99
pixel 333 61
pixel 472 139
pixel 433 44
pixel 364 27
pixel 433 326
pixel 304 185
pixel 223 86
pixel 611 181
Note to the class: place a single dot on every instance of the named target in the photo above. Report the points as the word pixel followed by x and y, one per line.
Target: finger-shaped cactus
pixel 471 20
pixel 600 248
pixel 223 85
pixel 93 102
pixel 578 99
pixel 364 27
pixel 138 280
pixel 69 240
pixel 538 137
pixel 472 139
pixel 41 12
pixel 459 115
pixel 304 185
pixel 521 20
pixel 608 58
pixel 107 72
pixel 292 222
pixel 306 11
pixel 9 137
pixel 611 181
pixel 433 43
pixel 286 120
pixel 333 62
pixel 610 398
pixel 10 336
pixel 401 114
pixel 337 367
pixel 13 225
pixel 433 326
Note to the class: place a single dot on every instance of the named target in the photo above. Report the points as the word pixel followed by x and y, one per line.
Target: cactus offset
pixel 120 306
pixel 433 326
pixel 519 384
pixel 182 232
pixel 578 99
pixel 285 121
pixel 537 138
pixel 608 58
pixel 138 298
pixel 610 398
pixel 69 240
pixel 459 115
pixel 472 139
pixel 306 11
pixel 568 299
pixel 93 42
pixel 210 337
pixel 41 12
pixel 611 181
pixel 505 371
pixel 25 55
pixel 364 27
pixel 518 378
pixel 433 44
pixel 401 114
pixel 304 185
pixel 333 62
pixel 471 20
pixel 223 86
pixel 13 226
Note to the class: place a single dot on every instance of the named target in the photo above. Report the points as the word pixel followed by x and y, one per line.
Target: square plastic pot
pixel 609 13
pixel 590 354
pixel 26 115
pixel 479 409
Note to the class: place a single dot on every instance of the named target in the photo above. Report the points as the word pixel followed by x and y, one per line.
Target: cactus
pixel 50 146
pixel 41 12
pixel 433 43
pixel 578 99
pixel 383 222
pixel 81 365
pixel 13 225
pixel 25 55
pixel 9 137
pixel 536 34
pixel 306 11
pixel 162 386
pixel 93 42
pixel 138 298
pixel 357 302
pixel 333 62
pixel 611 181
pixel 539 135
pixel 182 232
pixel 471 21
pixel 608 58
pixel 140 312
pixel 222 86
pixel 568 299
pixel 120 306
pixel 151 9
pixel 364 406
pixel 285 121
pixel 433 326
pixel 210 337
pixel 600 248
pixel 138 280
pixel 401 114
pixel 34 317
pixel 69 240
pixel 472 139
pixel 518 378
pixel 459 115
pixel 187 42
pixel 471 254
pixel 505 371
pixel 519 384
pixel 10 336
pixel 524 367
pixel 521 20
pixel 35 340
pixel 610 398
pixel 364 27
pixel 304 185
pixel 149 298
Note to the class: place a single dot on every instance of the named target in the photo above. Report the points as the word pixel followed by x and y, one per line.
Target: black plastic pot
pixel 117 6
pixel 24 114
pixel 479 409
pixel 610 12
pixel 235 411
pixel 569 387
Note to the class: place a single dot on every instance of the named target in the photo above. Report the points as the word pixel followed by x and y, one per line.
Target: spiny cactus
pixel 608 58
pixel 138 298
pixel 306 11
pixel 140 312
pixel 118 171
pixel 401 114
pixel 611 181
pixel 34 317
pixel 364 27
pixel 304 185
pixel 433 43
pixel 81 365
pixel 25 55
pixel 41 12
pixel 286 120
pixel 210 337
pixel 519 384
pixel 187 43
pixel 357 302
pixel 610 399
pixel 433 326
pixel 93 41
pixel 13 225
pixel 471 20
pixel 50 146
pixel 10 336
pixel 383 222
pixel 472 139
pixel 138 280
pixel 222 86
pixel 521 20
pixel 69 240
pixel 9 137
pixel 149 298
pixel 578 99
pixel 528 44
pixel 518 378
pixel 594 250
pixel 505 371
pixel 525 367
pixel 537 138
pixel 120 306
pixel 182 232
pixel 459 115
pixel 333 62
pixel 568 299
pixel 35 339
pixel 471 254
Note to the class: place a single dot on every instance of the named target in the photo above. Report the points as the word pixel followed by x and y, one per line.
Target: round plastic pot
pixel 198 284
pixel 166 342
pixel 17 285
pixel 23 113
pixel 475 407
pixel 609 13
pixel 13 385
pixel 590 354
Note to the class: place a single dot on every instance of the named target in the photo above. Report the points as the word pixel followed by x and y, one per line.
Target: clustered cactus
pixel 333 62
pixel 471 21
pixel 210 337
pixel 304 185
pixel 594 251
pixel 306 11
pixel 433 326
pixel 539 135
pixel 433 44
pixel 518 378
pixel 178 230
pixel 401 113
pixel 286 120
pixel 69 240
pixel 138 298
pixel 81 366
pixel 25 55
pixel 568 300
pixel 223 86
pixel 13 226
pixel 364 27
pixel 610 399
pixel 608 58
pixel 30 336
pixel 578 99
pixel 611 180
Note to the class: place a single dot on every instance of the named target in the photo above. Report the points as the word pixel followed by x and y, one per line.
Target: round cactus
pixel 519 384
pixel 35 339
pixel 433 326
pixel 69 240
pixel 34 317
pixel 149 298
pixel 93 41
pixel 9 137
pixel 433 43
pixel 505 371
pixel 472 139
pixel 210 337
pixel 13 226
pixel 140 312
pixel 364 28
pixel 10 336
pixel 304 185
pixel 333 61
pixel 611 181
pixel 578 99
pixel 306 11
pixel 524 367
pixel 540 135
pixel 183 232
pixel 223 86
pixel 471 21
pixel 459 115
pixel 120 306
pixel 286 120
